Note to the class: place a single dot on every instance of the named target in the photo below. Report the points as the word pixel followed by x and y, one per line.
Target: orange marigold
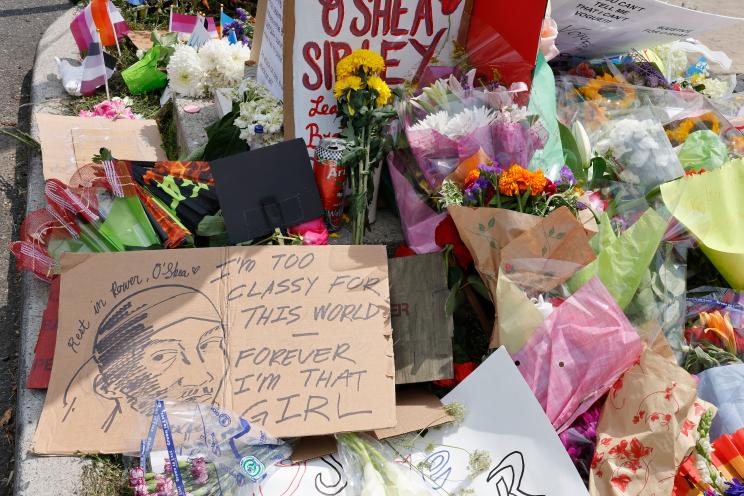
pixel 538 181
pixel 517 179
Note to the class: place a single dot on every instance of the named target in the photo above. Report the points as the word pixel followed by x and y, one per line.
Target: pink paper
pixel 578 353
pixel 480 139
pixel 417 219
pixel 435 154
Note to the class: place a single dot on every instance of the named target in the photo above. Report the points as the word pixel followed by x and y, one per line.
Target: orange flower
pixel 514 181
pixel 472 176
pixel 538 181
pixel 517 180
pixel 720 325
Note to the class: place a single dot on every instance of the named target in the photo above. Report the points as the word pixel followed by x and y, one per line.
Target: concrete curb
pixel 34 475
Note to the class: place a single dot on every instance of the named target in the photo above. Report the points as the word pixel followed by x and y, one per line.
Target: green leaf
pixel 223 137
pixel 571 153
pixel 492 222
pixel 476 283
pixel 211 225
pixel 452 298
pixel 481 227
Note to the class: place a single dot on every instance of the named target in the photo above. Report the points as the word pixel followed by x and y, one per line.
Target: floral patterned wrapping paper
pixel 647 428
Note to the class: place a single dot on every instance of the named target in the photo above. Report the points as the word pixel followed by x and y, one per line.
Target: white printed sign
pixel 270 69
pixel 608 27
pixel 526 456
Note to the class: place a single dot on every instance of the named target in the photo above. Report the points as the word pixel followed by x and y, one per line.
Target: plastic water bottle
pixel 258 137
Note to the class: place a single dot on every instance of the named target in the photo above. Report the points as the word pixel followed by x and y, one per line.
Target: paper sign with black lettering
pixel 409 34
pixel 294 339
pixel 608 27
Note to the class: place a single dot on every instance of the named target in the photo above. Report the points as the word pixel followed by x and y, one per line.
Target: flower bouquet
pixel 195 72
pixel 210 451
pixel 261 116
pixel 452 120
pixel 363 98
pixel 635 148
pixel 372 473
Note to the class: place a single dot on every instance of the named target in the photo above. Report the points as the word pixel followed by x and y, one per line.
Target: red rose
pixel 403 251
pixel 446 233
pixel 462 370
pixel 462 256
pixel 550 188
pixel 449 6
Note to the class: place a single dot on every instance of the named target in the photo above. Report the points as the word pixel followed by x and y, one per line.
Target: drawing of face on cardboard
pixel 163 342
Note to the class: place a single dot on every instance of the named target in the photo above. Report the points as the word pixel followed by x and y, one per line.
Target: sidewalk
pixel 41 476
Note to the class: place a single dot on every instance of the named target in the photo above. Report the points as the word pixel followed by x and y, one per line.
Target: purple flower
pixel 165 486
pixel 199 470
pixel 478 186
pixel 735 488
pixel 167 468
pixel 567 176
pixel 242 14
pixel 493 169
pixel 136 476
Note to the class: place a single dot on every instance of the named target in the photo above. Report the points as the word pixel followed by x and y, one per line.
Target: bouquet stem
pixel 359 219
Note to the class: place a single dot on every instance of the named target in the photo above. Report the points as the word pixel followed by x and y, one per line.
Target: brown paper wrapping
pixel 543 252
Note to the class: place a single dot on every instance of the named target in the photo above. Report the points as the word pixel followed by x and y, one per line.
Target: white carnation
pixel 438 122
pixel 469 120
pixel 216 64
pixel 240 54
pixel 185 72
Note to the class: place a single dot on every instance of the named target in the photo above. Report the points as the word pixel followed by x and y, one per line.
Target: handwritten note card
pixel 503 418
pixel 408 34
pixel 295 339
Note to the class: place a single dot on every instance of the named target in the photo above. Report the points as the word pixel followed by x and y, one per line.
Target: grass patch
pixel 147 104
pixel 105 475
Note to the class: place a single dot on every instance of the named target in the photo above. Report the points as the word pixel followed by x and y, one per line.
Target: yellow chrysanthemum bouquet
pixel 363 106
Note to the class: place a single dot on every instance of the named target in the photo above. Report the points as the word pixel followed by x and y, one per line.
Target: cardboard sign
pixel 602 27
pixel 294 339
pixel 422 330
pixel 409 34
pixel 503 418
pixel 256 198
pixel 68 143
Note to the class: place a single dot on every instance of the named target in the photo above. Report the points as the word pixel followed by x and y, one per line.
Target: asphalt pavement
pixel 22 23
